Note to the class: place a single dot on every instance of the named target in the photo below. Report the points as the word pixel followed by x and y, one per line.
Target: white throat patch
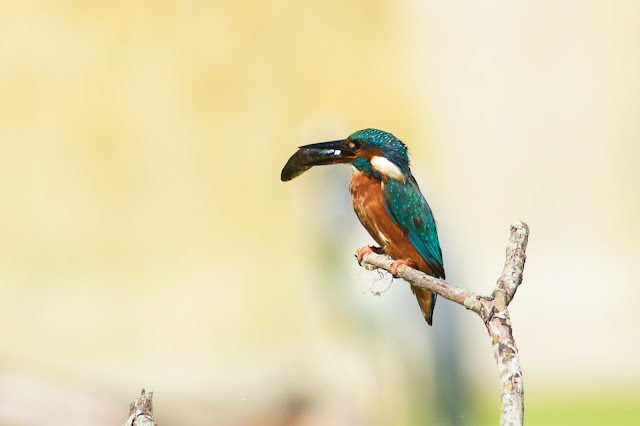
pixel 386 168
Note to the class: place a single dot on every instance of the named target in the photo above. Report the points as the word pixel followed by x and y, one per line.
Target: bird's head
pixel 371 151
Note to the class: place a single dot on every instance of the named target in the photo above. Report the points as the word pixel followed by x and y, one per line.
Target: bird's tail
pixel 427 301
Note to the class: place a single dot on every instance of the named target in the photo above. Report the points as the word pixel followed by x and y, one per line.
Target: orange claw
pixel 397 263
pixel 364 250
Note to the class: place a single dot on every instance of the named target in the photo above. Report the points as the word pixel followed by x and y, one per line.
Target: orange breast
pixel 366 196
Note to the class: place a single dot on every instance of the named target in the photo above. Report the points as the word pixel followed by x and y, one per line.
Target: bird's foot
pixel 397 263
pixel 364 250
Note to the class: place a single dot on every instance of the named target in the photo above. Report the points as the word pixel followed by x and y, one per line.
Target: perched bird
pixel 386 199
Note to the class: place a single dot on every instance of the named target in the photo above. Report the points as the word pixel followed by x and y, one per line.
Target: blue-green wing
pixel 408 209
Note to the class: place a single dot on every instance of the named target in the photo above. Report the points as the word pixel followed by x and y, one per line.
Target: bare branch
pixel 141 411
pixel 458 295
pixel 492 309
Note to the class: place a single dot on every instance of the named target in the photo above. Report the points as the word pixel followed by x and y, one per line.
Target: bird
pixel 387 200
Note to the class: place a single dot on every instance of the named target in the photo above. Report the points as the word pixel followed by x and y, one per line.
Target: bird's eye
pixel 353 144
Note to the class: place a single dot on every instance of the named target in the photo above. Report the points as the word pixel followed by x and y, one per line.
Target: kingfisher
pixel 386 199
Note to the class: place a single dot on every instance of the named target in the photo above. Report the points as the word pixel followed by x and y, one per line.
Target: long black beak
pixel 317 154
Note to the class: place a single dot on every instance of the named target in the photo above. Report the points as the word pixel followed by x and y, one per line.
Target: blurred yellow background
pixel 146 239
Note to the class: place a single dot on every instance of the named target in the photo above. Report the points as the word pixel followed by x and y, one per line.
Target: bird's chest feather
pixel 366 196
